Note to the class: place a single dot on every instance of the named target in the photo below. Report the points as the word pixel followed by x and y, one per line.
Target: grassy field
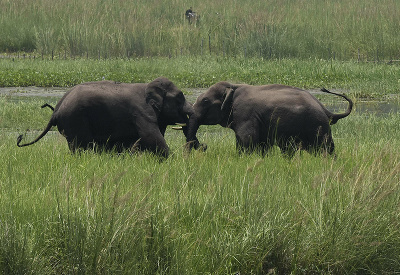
pixel 212 212
pixel 365 29
pixel 361 80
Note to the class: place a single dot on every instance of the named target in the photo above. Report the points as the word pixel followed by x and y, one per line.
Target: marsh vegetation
pixel 204 212
pixel 213 212
pixel 360 80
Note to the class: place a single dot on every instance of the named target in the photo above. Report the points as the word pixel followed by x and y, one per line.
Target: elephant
pixel 191 16
pixel 267 115
pixel 108 115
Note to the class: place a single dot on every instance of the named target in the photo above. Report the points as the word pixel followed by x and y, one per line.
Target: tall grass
pixel 277 29
pixel 206 212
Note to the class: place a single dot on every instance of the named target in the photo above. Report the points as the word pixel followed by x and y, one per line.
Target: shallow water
pixel 333 103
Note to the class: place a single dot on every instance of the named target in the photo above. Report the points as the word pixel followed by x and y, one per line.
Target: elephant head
pixel 214 106
pixel 171 107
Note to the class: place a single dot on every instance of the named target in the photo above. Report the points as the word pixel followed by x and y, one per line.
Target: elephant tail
pixel 48 105
pixel 335 117
pixel 48 127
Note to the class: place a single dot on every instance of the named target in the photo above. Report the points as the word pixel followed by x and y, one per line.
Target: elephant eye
pixel 205 100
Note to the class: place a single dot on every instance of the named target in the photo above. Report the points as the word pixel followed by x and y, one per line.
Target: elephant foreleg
pixel 151 139
pixel 247 138
pixel 155 144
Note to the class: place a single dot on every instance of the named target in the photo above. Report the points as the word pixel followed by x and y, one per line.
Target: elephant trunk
pixel 190 130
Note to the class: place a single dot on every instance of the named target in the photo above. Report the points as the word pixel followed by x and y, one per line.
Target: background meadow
pixel 360 80
pixel 361 29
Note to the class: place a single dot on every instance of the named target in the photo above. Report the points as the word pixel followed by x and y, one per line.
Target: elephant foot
pixel 195 144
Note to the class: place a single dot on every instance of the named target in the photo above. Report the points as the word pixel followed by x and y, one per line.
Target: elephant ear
pixel 227 103
pixel 155 93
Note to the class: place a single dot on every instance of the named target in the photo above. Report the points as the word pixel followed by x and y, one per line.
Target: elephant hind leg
pixel 75 145
pixel 328 146
pixel 323 145
pixel 78 134
pixel 289 146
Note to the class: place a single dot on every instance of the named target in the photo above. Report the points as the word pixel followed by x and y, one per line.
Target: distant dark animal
pixel 189 12
pixel 116 116
pixel 263 116
pixel 191 16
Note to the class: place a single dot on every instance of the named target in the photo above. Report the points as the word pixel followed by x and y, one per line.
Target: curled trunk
pixel 190 130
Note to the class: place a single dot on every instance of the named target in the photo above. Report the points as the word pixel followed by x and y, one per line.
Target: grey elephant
pixel 107 115
pixel 263 116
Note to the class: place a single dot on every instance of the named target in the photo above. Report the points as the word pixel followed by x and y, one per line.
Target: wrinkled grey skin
pixel 263 116
pixel 108 115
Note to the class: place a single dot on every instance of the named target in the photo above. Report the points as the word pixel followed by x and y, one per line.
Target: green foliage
pixel 363 79
pixel 346 30
pixel 212 212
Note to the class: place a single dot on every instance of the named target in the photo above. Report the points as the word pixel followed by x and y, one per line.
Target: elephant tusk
pixel 180 124
pixel 177 128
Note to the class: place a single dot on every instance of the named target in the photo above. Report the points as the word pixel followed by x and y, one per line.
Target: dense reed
pixel 365 29
pixel 212 212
